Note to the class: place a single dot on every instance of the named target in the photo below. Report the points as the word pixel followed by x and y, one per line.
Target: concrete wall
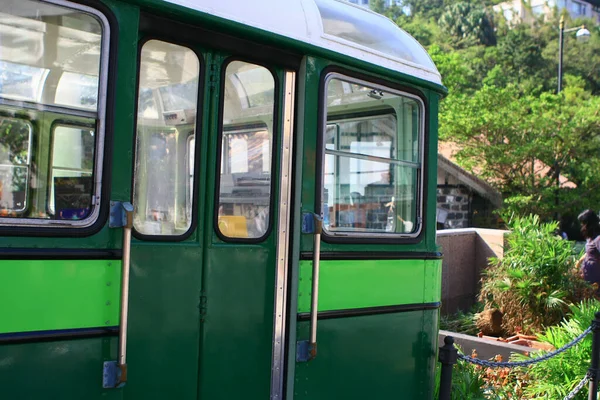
pixel 466 253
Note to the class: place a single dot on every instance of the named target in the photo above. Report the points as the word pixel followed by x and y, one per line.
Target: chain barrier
pixel 509 364
pixel 448 356
pixel 577 388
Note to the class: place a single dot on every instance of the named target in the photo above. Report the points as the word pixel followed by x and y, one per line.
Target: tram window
pixel 15 159
pixel 72 162
pixel 53 63
pixel 165 144
pixel 49 54
pixel 246 151
pixel 372 161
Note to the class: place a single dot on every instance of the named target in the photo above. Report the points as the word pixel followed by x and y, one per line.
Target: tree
pixel 519 143
pixel 377 5
pixel 468 24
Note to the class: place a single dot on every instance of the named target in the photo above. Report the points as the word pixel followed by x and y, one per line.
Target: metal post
pixel 561 32
pixel 447 357
pixel 593 370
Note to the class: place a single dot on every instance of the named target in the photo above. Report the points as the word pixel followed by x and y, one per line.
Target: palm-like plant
pixel 533 283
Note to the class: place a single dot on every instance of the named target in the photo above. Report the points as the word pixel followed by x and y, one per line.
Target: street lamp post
pixel 582 35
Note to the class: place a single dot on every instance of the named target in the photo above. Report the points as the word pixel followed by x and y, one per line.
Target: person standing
pixel 589 263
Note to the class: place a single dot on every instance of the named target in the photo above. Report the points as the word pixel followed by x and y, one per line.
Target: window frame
pixel 96 219
pixel 274 146
pixel 56 124
pixel 29 158
pixel 421 194
pixel 197 135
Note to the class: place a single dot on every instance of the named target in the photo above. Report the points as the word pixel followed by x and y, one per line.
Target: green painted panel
pixel 345 284
pixel 432 291
pixel 65 370
pixel 59 294
pixel 385 356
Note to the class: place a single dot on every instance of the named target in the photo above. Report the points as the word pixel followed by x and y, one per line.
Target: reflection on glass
pixel 49 54
pixel 245 181
pixel 372 31
pixel 164 157
pixel 15 140
pixel 372 162
pixel 71 173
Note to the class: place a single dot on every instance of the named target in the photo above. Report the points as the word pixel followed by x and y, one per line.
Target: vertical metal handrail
pixel 314 307
pixel 122 360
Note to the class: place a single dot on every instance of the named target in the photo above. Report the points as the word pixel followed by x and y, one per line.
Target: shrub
pixel 462 322
pixel 556 377
pixel 467 382
pixel 533 283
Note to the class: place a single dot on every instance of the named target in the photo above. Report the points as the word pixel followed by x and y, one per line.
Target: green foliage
pixel 533 283
pixel 502 109
pixel 468 24
pixel 377 5
pixel 462 322
pixel 520 142
pixel 467 382
pixel 556 377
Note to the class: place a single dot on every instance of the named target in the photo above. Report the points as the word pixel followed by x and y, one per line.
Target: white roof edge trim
pixel 271 16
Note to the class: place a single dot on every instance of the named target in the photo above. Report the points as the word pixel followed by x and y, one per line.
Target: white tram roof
pixel 330 24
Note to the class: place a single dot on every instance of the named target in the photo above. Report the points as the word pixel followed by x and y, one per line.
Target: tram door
pixel 207 190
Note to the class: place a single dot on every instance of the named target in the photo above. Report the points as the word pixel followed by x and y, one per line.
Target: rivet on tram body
pixel 108 303
pixel 107 323
pixel 107 283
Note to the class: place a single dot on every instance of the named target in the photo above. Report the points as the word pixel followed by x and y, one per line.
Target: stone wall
pixel 456 200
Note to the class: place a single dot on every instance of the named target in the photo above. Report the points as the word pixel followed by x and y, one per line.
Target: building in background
pixel 517 11
pixel 463 199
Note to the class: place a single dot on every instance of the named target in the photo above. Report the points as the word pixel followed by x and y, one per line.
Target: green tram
pixel 215 199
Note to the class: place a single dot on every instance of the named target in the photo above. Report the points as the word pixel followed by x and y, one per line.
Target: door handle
pixel 314 301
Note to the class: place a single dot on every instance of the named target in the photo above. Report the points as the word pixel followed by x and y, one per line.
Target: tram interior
pixel 49 77
pixel 372 160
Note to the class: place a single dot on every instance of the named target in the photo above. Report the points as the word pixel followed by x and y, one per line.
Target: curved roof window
pixel 49 54
pixel 371 30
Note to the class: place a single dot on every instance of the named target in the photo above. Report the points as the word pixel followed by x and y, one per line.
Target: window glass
pixel 50 74
pixel 372 161
pixel 538 10
pixel 372 31
pixel 72 166
pixel 15 158
pixel 49 54
pixel 164 156
pixel 577 8
pixel 247 140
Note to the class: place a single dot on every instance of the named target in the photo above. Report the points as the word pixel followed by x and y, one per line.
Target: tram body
pixel 236 130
